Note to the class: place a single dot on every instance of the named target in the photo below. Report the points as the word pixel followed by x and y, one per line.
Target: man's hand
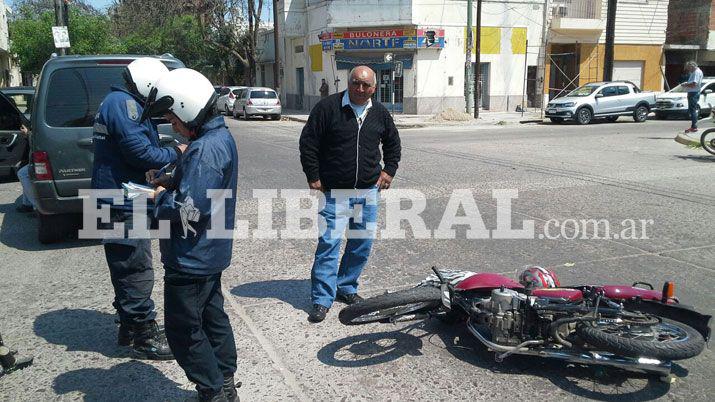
pixel 153 196
pixel 151 177
pixel 182 147
pixel 384 181
pixel 316 185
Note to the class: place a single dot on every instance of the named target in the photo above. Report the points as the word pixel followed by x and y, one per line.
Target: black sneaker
pixel 212 396
pixel 352 298
pixel 150 342
pixel 229 389
pixel 317 313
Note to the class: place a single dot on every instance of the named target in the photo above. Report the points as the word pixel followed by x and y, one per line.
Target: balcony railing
pixel 583 9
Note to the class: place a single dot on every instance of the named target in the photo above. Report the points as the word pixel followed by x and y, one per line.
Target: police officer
pixel 197 328
pixel 124 149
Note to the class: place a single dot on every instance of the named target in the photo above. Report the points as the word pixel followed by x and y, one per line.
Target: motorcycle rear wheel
pixel 667 340
pixel 707 140
pixel 384 307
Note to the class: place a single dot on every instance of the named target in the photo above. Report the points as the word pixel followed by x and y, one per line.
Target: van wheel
pixel 51 228
pixel 276 117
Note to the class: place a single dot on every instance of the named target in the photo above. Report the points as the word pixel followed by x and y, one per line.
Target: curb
pixel 685 140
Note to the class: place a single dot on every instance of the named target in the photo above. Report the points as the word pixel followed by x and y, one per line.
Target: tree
pixel 31 37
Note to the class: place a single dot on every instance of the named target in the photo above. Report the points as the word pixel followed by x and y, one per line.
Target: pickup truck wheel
pixel 556 120
pixel 584 116
pixel 641 113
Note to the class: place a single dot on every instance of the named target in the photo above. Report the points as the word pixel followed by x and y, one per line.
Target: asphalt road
pixel 55 301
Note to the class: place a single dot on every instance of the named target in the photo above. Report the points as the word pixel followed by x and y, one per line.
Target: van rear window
pixel 263 95
pixel 74 94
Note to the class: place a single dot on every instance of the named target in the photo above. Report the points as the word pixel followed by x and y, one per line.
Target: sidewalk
pixel 446 118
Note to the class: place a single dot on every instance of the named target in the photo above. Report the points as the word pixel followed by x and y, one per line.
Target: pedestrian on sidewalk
pixel 324 89
pixel 124 149
pixel 197 327
pixel 340 150
pixel 693 85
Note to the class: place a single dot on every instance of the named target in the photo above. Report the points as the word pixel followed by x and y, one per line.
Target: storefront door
pixel 385 87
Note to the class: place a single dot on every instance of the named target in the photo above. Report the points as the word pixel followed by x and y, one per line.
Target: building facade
pixel 427 39
pixel 526 46
pixel 690 36
pixel 577 37
pixel 9 73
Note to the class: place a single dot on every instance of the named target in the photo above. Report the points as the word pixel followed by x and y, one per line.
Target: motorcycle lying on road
pixel 635 327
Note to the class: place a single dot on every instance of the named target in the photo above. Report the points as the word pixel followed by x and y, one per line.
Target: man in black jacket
pixel 339 151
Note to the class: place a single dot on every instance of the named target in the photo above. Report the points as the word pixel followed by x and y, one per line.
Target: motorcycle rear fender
pixel 488 281
pixel 617 292
pixel 676 312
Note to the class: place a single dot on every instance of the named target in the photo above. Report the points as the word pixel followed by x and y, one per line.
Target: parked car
pixel 607 100
pixel 224 103
pixel 22 98
pixel 674 103
pixel 69 91
pixel 257 101
pixel 13 143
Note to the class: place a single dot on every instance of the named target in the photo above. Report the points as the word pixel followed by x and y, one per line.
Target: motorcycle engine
pixel 506 318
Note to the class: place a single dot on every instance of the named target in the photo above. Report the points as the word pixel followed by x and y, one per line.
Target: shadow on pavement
pixel 81 330
pixel 295 292
pixel 699 158
pixel 593 382
pixel 128 381
pixel 19 231
pixel 370 349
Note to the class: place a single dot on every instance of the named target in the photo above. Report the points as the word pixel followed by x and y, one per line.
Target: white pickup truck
pixel 607 100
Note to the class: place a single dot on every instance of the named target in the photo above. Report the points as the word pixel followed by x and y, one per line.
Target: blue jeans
pixel 327 278
pixel 692 103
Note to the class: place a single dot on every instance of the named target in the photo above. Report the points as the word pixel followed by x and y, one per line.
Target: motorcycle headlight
pixel 568 104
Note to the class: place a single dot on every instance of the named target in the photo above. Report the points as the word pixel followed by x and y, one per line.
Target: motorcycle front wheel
pixel 707 140
pixel 666 340
pixel 385 307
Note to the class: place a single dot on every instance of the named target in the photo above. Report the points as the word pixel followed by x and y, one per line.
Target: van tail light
pixel 231 95
pixel 249 102
pixel 43 169
pixel 278 102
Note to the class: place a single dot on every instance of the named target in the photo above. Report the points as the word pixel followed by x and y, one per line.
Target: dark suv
pixel 13 143
pixel 69 91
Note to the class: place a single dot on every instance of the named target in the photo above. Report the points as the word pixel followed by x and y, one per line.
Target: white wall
pixel 4 38
pixel 641 22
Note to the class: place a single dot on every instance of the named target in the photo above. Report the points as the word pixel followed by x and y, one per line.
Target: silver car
pixel 257 101
pixel 604 100
pixel 227 95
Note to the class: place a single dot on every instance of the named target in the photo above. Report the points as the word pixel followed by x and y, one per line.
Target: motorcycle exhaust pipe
pixel 640 364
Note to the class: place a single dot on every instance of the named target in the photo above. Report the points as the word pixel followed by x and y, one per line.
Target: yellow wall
pixel 592 58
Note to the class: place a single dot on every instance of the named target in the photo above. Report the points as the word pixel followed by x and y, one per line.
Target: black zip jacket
pixel 333 150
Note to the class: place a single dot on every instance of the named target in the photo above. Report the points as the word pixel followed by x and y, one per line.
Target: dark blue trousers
pixel 198 329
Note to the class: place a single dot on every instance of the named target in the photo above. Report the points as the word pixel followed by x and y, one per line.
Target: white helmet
pixel 184 92
pixel 142 74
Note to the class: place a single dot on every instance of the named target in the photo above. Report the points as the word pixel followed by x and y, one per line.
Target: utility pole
pixel 610 38
pixel 541 69
pixel 468 93
pixel 277 62
pixel 477 64
pixel 61 19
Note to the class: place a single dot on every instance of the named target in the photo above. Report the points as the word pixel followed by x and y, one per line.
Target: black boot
pixel 150 342
pixel 212 396
pixel 229 389
pixel 125 334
